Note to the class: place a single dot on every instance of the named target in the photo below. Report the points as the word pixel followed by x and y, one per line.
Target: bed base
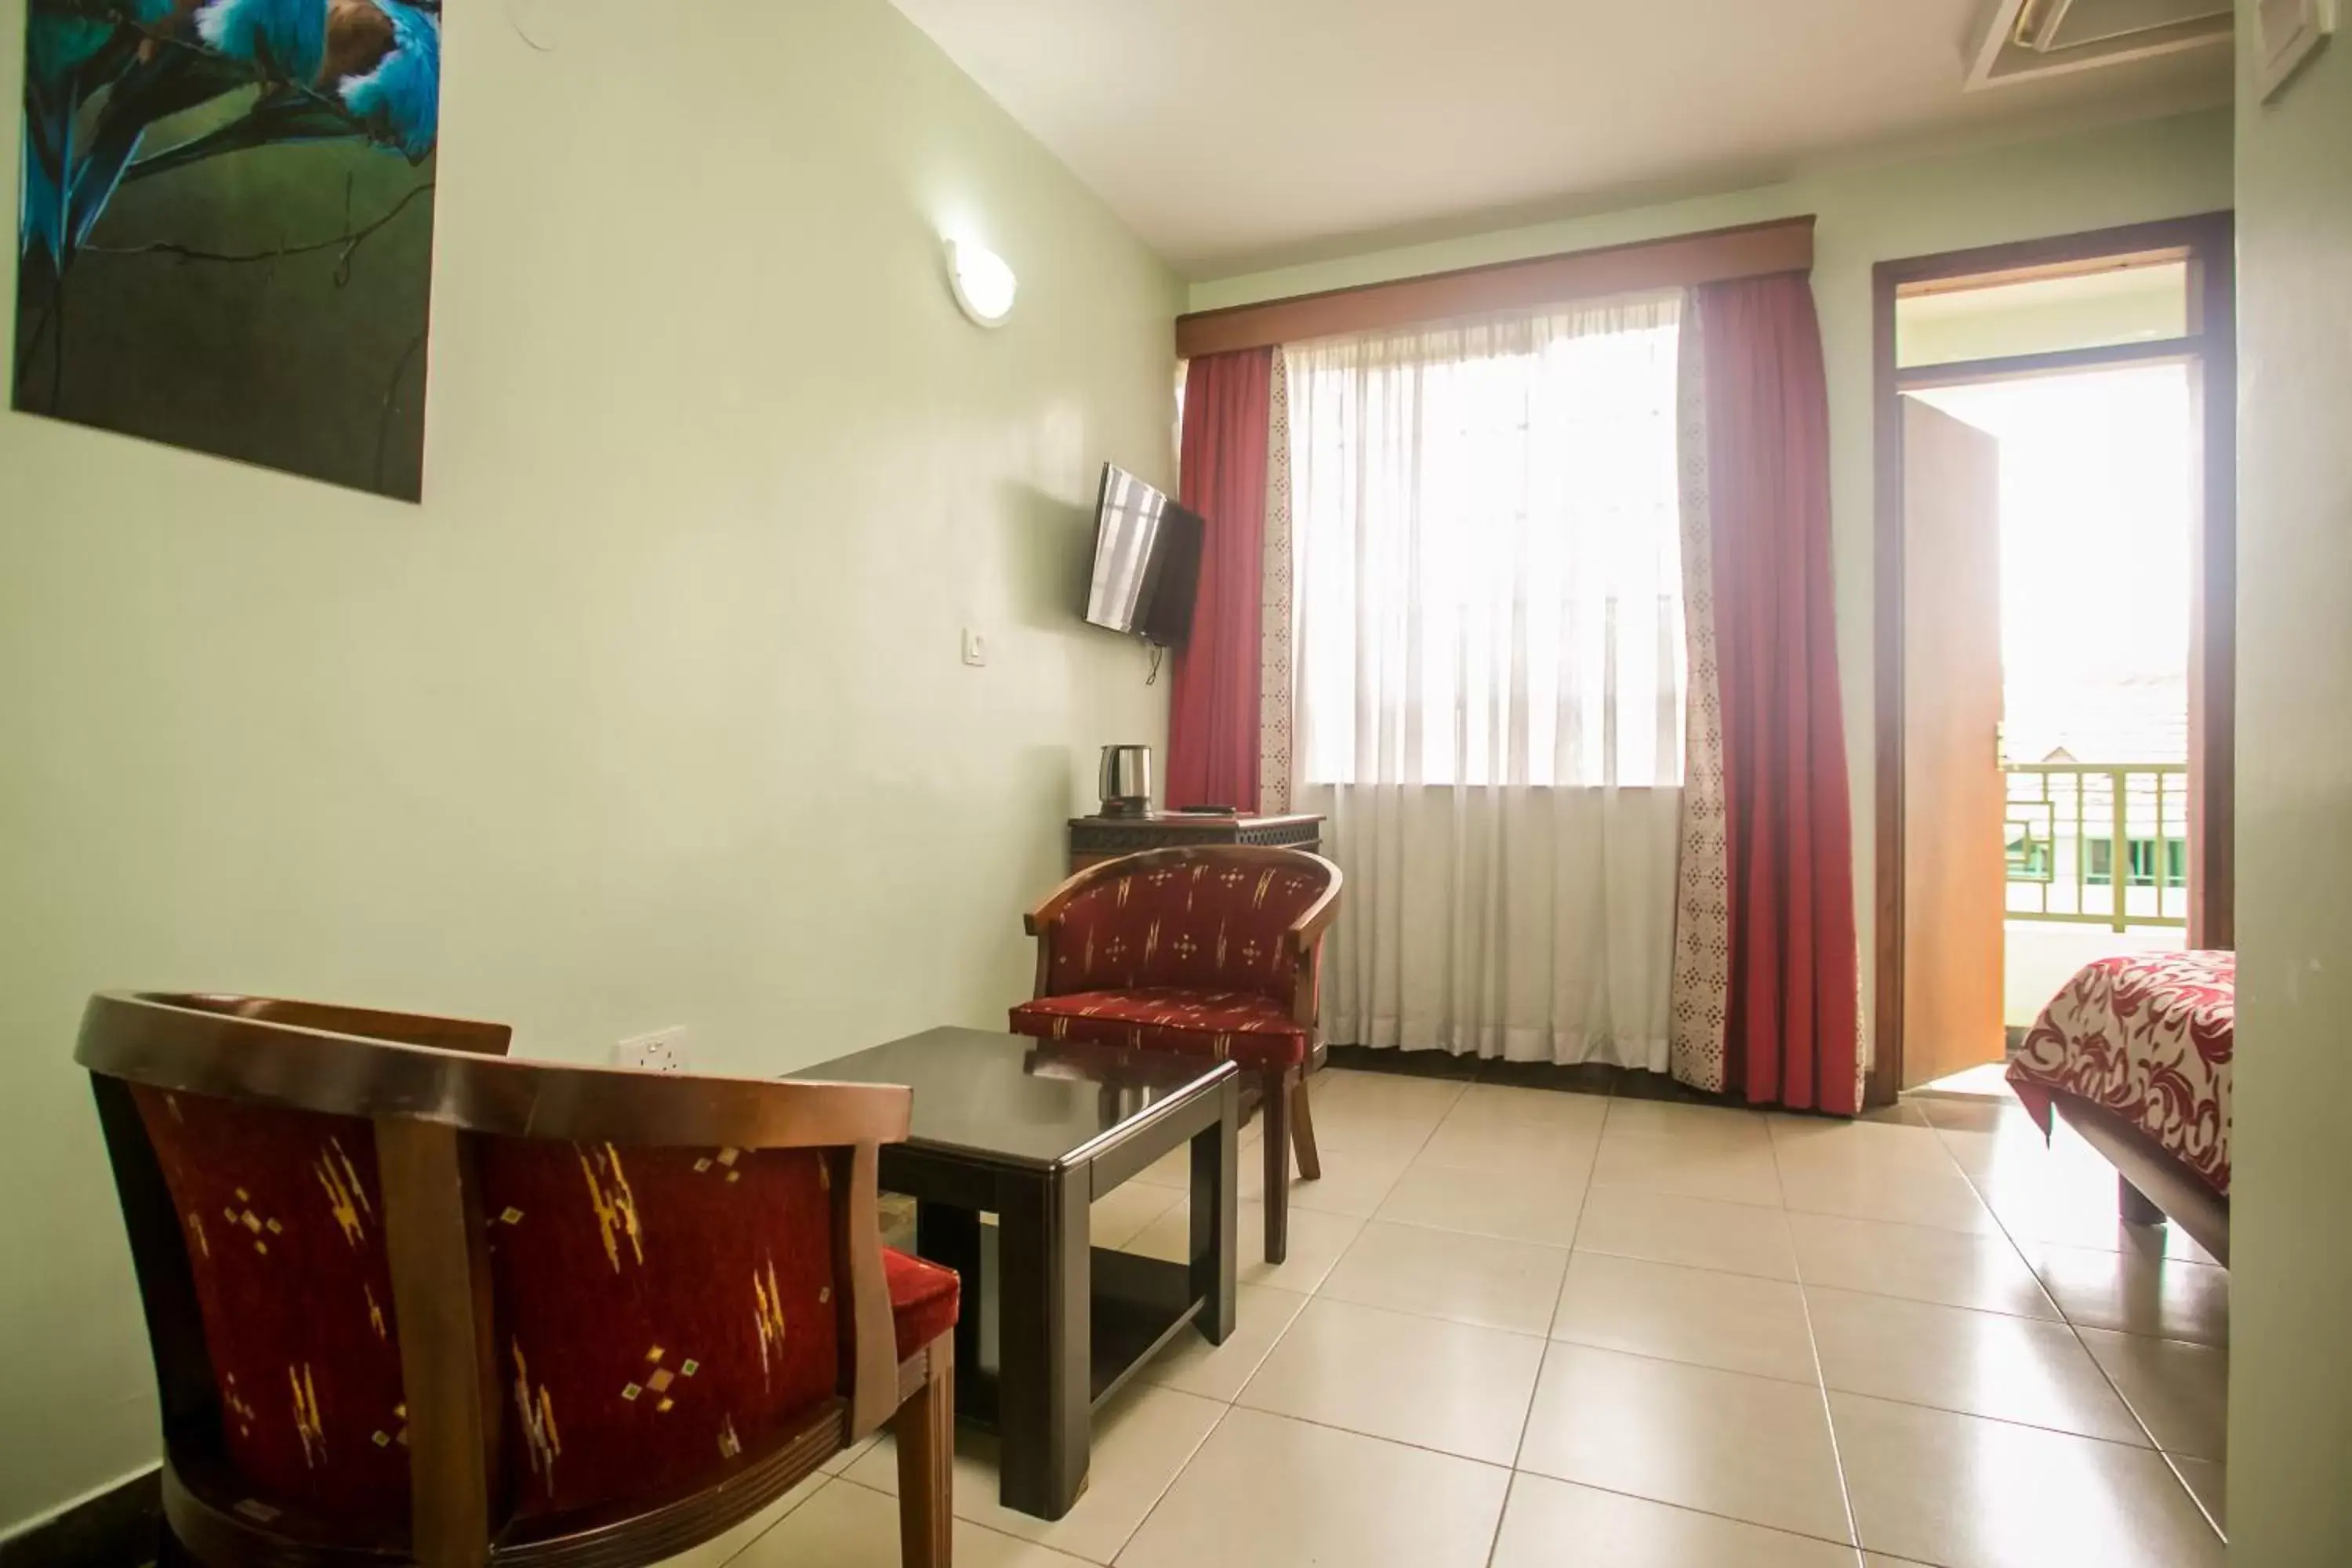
pixel 2151 1185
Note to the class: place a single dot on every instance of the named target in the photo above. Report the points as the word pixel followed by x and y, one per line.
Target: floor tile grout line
pixel 1575 1233
pixel 969 1523
pixel 1513 1469
pixel 1822 1388
pixel 2062 1318
pixel 1528 1417
pixel 1505 1465
pixel 1822 1384
pixel 1979 1186
pixel 1476 1234
pixel 2017 1243
pixel 1316 1294
pixel 1128 1538
pixel 2105 1376
pixel 1306 1299
pixel 1691 1508
pixel 1356 1240
pixel 2002 1229
pixel 1540 1335
pixel 2075 1329
pixel 1495 1537
pixel 1802 1283
pixel 1670 1263
pixel 2128 1447
pixel 828 1478
pixel 2059 1319
pixel 2172 1463
pixel 1584 1196
pixel 2165 1455
pixel 1777 1207
pixel 1225 1409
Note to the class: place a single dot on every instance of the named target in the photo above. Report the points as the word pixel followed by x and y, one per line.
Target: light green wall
pixel 2132 173
pixel 654 712
pixel 2291 1240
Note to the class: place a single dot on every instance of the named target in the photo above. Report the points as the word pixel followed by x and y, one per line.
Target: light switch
pixel 975 648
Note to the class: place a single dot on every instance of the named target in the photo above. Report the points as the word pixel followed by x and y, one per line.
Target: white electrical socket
pixel 664 1050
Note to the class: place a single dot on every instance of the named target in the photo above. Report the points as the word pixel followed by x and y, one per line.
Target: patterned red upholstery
pixel 1207 926
pixel 284 1236
pixel 659 1312
pixel 1193 959
pixel 1256 1031
pixel 923 1300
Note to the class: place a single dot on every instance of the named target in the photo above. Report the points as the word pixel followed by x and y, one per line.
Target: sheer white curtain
pixel 1489 668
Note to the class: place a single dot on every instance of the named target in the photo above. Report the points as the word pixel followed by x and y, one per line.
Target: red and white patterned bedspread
pixel 2148 1037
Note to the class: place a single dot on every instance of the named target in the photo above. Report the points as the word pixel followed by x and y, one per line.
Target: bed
pixel 2135 1053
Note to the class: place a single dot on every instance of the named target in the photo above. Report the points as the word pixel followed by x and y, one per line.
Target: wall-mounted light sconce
pixel 984 285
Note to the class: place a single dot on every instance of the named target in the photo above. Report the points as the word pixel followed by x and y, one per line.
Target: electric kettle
pixel 1127 781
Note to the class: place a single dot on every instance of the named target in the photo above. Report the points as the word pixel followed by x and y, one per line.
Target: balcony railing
pixel 2099 843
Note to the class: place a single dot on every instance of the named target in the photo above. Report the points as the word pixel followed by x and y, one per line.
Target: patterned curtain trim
pixel 1277 693
pixel 1702 972
pixel 1866 1046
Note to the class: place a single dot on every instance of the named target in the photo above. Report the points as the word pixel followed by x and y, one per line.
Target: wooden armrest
pixel 1304 930
pixel 367 1023
pixel 1315 918
pixel 165 1044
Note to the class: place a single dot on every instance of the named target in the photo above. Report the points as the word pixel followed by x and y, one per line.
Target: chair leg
pixel 1275 1091
pixel 925 1430
pixel 1302 1132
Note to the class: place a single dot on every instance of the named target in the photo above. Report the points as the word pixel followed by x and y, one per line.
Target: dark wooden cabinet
pixel 1093 838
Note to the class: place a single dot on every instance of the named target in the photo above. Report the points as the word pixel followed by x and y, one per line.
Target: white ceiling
pixel 1236 132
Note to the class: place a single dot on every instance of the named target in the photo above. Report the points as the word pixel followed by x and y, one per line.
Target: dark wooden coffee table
pixel 1034 1132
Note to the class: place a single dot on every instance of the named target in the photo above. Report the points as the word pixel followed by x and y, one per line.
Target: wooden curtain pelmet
pixel 1684 261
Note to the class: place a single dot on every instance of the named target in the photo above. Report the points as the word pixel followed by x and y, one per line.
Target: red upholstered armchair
pixel 1210 951
pixel 412 1302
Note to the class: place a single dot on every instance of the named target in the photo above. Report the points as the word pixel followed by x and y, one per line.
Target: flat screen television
pixel 1147 562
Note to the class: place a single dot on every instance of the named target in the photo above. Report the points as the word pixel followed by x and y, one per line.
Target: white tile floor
pixel 1520 1329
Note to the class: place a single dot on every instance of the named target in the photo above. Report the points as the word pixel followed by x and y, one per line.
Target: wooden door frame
pixel 2207 242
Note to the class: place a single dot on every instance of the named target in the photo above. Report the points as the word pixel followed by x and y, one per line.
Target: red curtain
pixel 1212 711
pixel 1793 1037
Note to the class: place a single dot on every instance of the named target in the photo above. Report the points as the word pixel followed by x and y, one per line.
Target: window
pixel 1488 530
pixel 2121 300
pixel 2141 856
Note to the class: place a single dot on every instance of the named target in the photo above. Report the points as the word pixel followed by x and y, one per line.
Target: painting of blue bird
pixel 225 228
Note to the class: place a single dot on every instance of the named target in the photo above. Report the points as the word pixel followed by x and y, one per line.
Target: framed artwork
pixel 2289 32
pixel 226 227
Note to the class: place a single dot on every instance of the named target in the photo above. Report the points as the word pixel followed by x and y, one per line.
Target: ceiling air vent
pixel 2024 38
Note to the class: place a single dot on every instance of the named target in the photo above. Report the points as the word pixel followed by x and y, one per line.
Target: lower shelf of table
pixel 1139 1305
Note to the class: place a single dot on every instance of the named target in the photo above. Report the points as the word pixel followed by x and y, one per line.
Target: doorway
pixel 2055 642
